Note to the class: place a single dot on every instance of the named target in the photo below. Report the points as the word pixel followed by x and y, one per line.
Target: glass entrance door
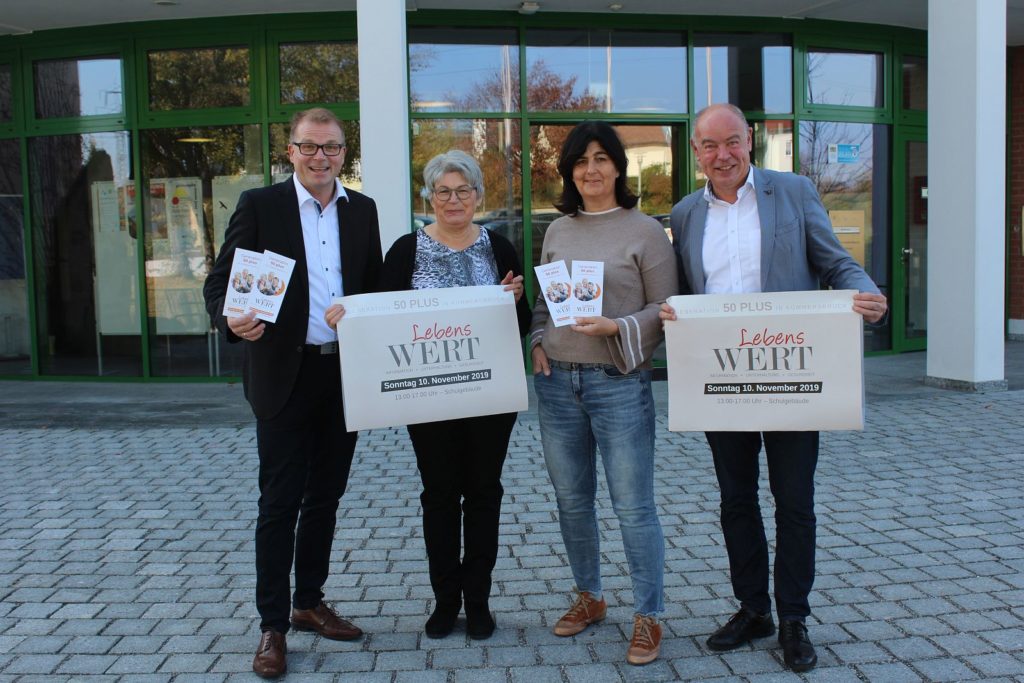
pixel 910 244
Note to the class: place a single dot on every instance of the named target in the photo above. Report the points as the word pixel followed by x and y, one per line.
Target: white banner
pixel 430 354
pixel 781 361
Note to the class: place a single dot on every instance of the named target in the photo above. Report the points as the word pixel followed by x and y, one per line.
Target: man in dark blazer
pixel 291 374
pixel 752 230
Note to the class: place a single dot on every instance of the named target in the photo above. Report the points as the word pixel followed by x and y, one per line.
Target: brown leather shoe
pixel 323 620
pixel 646 642
pixel 270 661
pixel 584 612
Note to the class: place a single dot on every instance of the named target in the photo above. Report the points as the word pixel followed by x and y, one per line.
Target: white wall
pixel 384 113
pixel 967 192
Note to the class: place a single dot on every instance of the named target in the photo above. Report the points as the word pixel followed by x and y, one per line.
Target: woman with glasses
pixel 593 381
pixel 460 460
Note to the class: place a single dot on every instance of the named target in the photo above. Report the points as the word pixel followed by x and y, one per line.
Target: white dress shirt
pixel 321 236
pixel 732 242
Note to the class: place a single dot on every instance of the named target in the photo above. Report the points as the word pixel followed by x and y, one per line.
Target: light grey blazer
pixel 799 251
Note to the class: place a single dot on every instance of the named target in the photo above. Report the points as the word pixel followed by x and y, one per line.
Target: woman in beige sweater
pixel 593 381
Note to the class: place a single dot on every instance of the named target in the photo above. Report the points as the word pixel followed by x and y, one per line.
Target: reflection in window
pixel 194 177
pixel 845 77
pixel 453 69
pixel 753 71
pixel 318 72
pixel 199 78
pixel 78 87
pixel 495 144
pixel 14 330
pixel 6 98
pixel 773 145
pixel 281 168
pixel 915 82
pixel 605 70
pixel 849 165
pixel 86 263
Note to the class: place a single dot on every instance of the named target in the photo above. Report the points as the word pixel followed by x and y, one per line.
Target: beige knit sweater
pixel 639 274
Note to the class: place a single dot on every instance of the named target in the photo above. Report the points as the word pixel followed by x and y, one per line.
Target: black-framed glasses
pixel 445 193
pixel 308 149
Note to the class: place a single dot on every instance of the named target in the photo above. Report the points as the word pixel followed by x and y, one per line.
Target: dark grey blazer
pixel 799 251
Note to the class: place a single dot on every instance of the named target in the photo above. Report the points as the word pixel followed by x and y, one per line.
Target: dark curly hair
pixel 574 147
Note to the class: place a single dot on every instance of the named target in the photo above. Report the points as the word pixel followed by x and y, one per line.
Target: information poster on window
pixel 784 361
pixel 116 278
pixel 178 265
pixel 427 355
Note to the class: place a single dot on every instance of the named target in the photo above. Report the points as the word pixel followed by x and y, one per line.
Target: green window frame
pixel 804 44
pixel 89 123
pixel 249 113
pixel 275 38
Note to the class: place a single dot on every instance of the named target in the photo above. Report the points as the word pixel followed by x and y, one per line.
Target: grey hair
pixel 712 108
pixel 453 161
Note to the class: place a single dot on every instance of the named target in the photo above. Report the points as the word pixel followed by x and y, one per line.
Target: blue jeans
pixel 585 406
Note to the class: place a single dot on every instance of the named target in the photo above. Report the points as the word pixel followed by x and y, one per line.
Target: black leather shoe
pixel 743 627
pixel 797 649
pixel 479 622
pixel 442 621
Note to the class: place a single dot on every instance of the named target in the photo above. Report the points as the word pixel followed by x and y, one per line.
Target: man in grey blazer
pixel 752 230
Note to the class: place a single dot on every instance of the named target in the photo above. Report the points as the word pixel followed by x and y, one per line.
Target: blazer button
pixel 299 349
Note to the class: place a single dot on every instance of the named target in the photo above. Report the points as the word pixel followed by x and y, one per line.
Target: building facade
pixel 124 147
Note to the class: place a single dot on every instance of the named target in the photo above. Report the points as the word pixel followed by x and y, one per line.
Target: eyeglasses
pixel 445 193
pixel 308 149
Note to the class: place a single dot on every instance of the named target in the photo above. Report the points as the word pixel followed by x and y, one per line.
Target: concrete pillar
pixel 384 113
pixel 966 193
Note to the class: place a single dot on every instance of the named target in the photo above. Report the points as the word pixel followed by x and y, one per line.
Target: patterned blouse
pixel 438 265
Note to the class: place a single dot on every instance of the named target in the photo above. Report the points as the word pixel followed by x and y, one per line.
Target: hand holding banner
pixel 779 361
pixel 428 355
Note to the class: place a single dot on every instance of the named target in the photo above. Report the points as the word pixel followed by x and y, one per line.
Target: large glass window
pixel 847 78
pixel 605 70
pixel 193 179
pixel 87 291
pixel 495 144
pixel 849 165
pixel 318 72
pixel 78 87
pixel 754 71
pixel 6 94
pixel 198 78
pixel 915 82
pixel 453 69
pixel 14 330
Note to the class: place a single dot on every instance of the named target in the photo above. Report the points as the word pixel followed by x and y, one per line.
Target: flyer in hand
pixel 241 282
pixel 271 284
pixel 781 361
pixel 555 285
pixel 430 354
pixel 587 288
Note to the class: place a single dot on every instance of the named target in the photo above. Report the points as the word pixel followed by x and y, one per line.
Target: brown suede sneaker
pixel 584 612
pixel 323 620
pixel 646 642
pixel 270 661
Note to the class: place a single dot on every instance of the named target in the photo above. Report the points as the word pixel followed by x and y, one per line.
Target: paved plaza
pixel 126 550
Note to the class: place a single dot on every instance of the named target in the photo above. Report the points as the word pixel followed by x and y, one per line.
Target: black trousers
pixel 792 458
pixel 305 457
pixel 460 465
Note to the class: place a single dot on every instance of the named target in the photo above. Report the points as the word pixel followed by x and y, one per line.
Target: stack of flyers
pixel 569 298
pixel 257 283
pixel 556 287
pixel 587 287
